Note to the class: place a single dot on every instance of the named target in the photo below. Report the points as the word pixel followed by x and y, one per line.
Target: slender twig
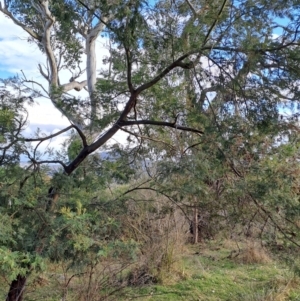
pixel 41 139
pixel 268 214
pixel 146 137
pixel 160 123
pixel 191 146
pixel 215 22
pixel 49 162
pixel 158 191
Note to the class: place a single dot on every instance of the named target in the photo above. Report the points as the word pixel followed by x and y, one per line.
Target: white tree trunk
pixel 91 63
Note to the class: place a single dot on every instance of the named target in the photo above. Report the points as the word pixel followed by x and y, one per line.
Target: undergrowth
pixel 213 271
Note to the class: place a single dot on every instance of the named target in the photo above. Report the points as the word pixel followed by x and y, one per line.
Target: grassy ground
pixel 213 271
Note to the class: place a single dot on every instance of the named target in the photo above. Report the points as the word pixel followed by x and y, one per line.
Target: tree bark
pixel 91 64
pixel 16 289
pixel 195 230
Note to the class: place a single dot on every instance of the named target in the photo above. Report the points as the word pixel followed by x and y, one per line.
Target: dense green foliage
pixel 207 95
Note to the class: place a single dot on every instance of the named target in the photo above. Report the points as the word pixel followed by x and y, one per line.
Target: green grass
pixel 205 273
pixel 211 276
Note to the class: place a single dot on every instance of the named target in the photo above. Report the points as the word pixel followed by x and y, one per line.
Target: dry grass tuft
pixel 230 244
pixel 283 286
pixel 254 253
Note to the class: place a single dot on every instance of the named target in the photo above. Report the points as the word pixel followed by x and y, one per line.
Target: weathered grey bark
pixel 91 64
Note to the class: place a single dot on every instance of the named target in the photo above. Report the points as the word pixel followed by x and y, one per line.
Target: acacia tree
pixel 178 65
pixel 34 228
pixel 244 181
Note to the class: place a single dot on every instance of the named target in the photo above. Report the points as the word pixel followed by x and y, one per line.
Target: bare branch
pixel 104 22
pixel 191 7
pixel 123 122
pixel 48 137
pixel 191 146
pixel 49 162
pixel 215 22
pixel 46 76
pixel 17 22
pixel 75 75
pixel 36 83
pixel 78 86
pixel 158 191
pixel 160 123
pixel 189 65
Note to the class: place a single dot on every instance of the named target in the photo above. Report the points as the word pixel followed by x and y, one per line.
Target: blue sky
pixel 4 73
pixel 17 54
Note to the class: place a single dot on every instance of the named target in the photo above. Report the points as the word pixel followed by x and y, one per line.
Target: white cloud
pixel 15 52
pixel 18 54
pixel 10 29
pixel 44 113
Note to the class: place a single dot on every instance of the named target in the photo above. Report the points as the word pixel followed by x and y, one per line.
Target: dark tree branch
pixel 93 12
pixel 50 162
pixel 215 22
pixel 160 192
pixel 87 150
pixel 191 146
pixel 160 123
pixel 122 121
pixel 129 69
pixel 191 64
pixel 175 64
pixel 82 136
